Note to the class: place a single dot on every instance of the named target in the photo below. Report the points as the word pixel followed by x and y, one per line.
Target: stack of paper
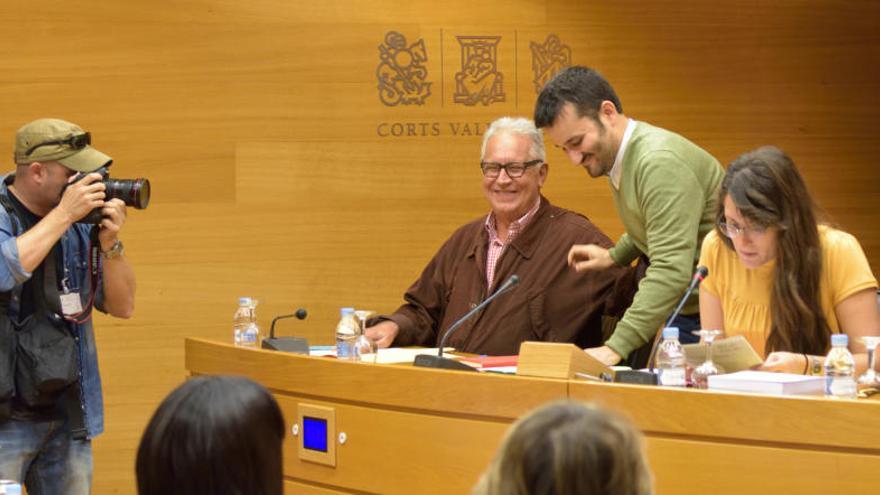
pixel 765 382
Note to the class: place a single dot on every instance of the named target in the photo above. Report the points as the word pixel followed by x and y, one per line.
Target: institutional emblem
pixel 548 59
pixel 479 79
pixel 401 72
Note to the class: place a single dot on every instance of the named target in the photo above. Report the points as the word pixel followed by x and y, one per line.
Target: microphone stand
pixel 649 377
pixel 438 361
pixel 699 275
pixel 298 345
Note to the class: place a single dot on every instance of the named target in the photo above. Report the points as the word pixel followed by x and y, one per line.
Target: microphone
pixel 298 345
pixel 300 315
pixel 438 361
pixel 701 273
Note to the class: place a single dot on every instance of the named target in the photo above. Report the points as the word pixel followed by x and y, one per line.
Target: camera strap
pixel 51 295
pixel 94 264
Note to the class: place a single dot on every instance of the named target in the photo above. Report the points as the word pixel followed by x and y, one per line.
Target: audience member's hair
pixel 581 86
pixel 569 448
pixel 767 189
pixel 213 435
pixel 516 125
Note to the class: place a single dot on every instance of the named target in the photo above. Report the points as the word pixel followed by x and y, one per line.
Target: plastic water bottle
pixel 840 368
pixel 670 359
pixel 246 332
pixel 346 334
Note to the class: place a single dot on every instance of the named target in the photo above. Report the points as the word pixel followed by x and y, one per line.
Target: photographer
pixel 51 276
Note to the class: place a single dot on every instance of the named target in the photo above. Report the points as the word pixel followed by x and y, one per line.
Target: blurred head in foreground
pixel 567 448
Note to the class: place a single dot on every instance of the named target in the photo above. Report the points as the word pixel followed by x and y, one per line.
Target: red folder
pixel 491 361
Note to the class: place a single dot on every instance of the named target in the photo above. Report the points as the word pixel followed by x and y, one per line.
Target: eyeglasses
pixel 76 142
pixel 733 231
pixel 514 170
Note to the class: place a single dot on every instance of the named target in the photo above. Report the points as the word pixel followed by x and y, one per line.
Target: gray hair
pixel 516 125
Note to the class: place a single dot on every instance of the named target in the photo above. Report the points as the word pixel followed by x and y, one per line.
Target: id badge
pixel 71 304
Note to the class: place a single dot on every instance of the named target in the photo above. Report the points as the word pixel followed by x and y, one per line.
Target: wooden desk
pixel 710 442
pixel 415 430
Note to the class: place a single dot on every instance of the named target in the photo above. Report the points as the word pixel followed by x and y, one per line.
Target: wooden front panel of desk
pixel 709 442
pixel 393 451
pixel 407 429
pixel 435 431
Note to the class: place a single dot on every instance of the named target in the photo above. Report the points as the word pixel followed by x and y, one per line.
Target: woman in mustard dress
pixel 780 277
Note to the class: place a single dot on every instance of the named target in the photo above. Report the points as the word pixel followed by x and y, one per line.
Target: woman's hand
pixel 784 362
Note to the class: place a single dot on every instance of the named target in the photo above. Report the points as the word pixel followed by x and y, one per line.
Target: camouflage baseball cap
pixel 56 140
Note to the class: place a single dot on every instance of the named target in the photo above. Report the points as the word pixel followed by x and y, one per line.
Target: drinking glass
pixel 701 374
pixel 365 348
pixel 870 377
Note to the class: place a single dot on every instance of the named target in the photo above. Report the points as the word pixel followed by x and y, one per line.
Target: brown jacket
pixel 552 302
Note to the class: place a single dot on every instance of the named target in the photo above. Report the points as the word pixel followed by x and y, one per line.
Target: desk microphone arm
pixel 300 315
pixel 438 361
pixel 298 345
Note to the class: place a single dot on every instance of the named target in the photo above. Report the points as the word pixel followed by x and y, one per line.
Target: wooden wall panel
pixel 727 469
pixel 259 125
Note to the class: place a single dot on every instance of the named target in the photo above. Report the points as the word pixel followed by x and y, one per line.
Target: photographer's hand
pixel 82 196
pixel 119 281
pixel 114 215
pixel 75 202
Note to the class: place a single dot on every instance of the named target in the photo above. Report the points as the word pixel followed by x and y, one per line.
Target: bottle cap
pixel 839 339
pixel 345 311
pixel 244 301
pixel 670 333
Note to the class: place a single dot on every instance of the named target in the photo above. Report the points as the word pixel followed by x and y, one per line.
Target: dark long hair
pixel 218 435
pixel 766 187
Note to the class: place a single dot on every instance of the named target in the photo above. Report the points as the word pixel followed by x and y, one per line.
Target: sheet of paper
pixel 394 355
pixel 507 370
pixel 386 356
pixel 322 350
pixel 732 354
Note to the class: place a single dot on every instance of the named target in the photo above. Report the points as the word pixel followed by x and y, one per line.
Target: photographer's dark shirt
pixel 27 307
pixel 27 297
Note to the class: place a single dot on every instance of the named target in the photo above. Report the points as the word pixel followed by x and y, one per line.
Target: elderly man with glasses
pixel 522 235
pixel 54 270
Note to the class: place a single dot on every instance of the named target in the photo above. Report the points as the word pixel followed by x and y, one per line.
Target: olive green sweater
pixel 666 201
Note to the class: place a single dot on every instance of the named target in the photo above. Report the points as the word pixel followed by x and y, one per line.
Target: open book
pixel 731 354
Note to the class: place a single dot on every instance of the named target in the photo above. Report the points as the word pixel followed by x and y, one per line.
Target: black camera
pixel 133 192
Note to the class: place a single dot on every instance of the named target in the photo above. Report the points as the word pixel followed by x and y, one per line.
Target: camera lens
pixel 133 192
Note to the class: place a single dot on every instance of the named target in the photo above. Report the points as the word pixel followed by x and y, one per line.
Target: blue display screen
pixel 315 434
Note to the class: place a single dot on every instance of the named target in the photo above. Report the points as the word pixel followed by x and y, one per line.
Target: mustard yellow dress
pixel 745 293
